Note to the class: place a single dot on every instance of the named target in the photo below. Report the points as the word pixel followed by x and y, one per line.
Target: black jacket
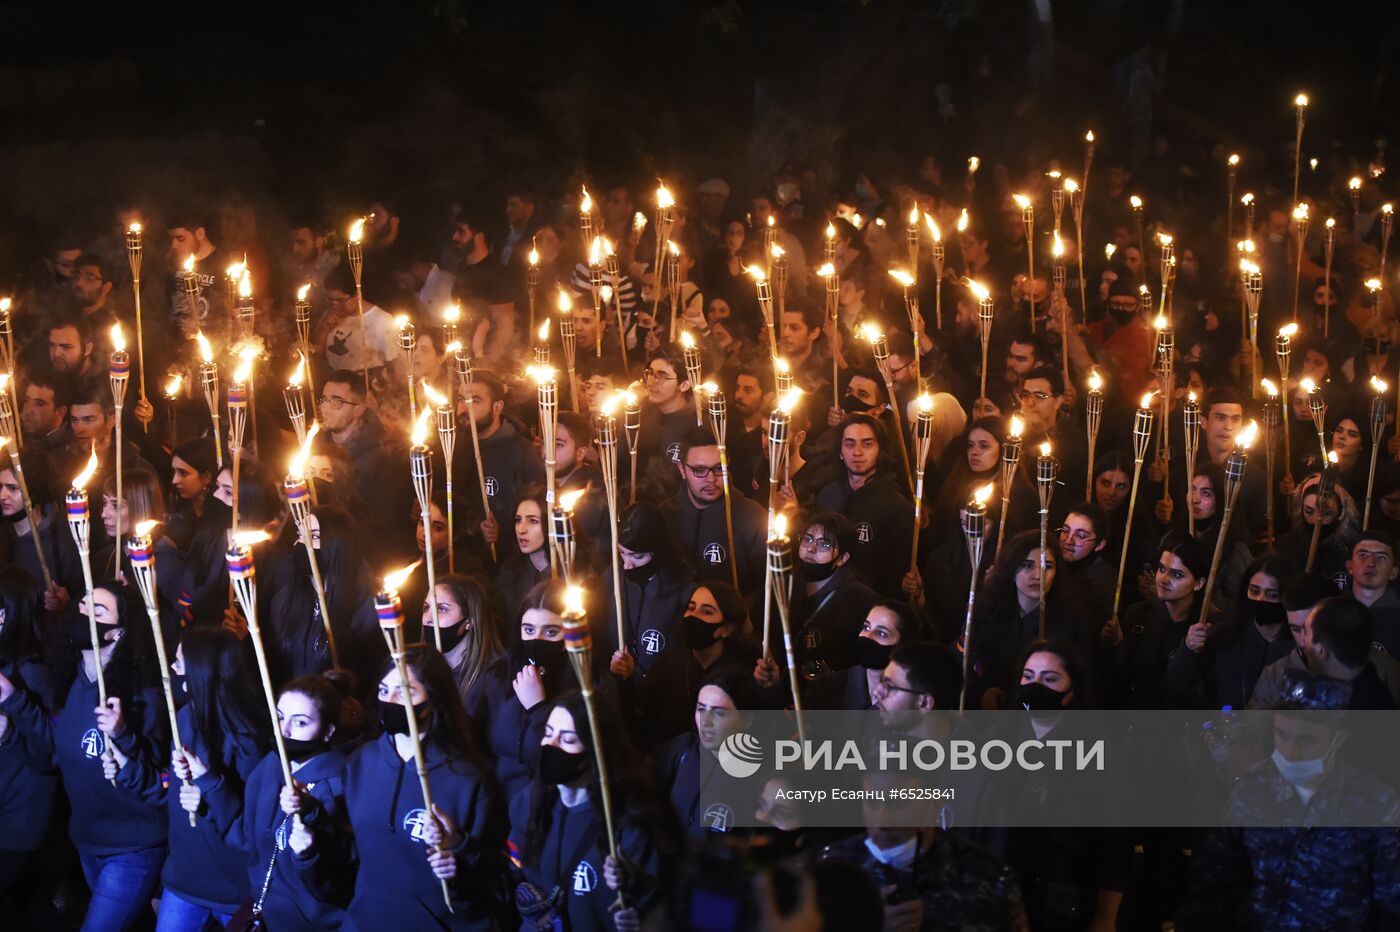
pixel 883 515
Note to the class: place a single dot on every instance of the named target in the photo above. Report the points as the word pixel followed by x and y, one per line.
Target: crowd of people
pixel 1140 586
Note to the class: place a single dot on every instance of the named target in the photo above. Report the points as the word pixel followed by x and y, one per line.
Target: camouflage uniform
pixel 1300 878
pixel 963 885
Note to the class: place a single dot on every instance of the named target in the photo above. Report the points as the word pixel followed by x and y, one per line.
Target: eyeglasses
pixel 821 543
pixel 1032 396
pixel 335 404
pixel 701 472
pixel 651 375
pixel 886 686
pixel 1078 536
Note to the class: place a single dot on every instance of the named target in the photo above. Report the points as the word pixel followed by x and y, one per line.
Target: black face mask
pixel 871 654
pixel 641 574
pixel 15 518
pixel 1037 697
pixel 558 766
pixel 1376 346
pixel 816 572
pixel 853 405
pixel 699 634
pixel 81 636
pixel 179 687
pixel 1266 614
pixel 548 655
pixel 393 718
pixel 303 749
pixel 452 636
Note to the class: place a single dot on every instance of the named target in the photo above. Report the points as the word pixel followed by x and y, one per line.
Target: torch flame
pixel 235 270
pixel 452 313
pixel 1288 331
pixel 454 348
pixel 1135 202
pixel 709 388
pixel 1308 385
pixel 983 494
pixel 1045 448
pixel 973 163
pixel 1146 402
pixel 1089 136
pixel 780 365
pixel 595 251
pixel 1332 457
pixel 401 321
pixel 789 401
pixel 827 270
pixel 1245 440
pixel 1373 284
pixel 172 388
pixel 978 289
pixel 1058 249
pixel 1159 322
pixel 1071 186
pixel 1142 290
pixel 303 291
pixel 608 406
pixel 568 500
pixel 757 273
pixel 663 195
pixel 534 256
pixel 1095 381
pixel 831 231
pixel 771 221
pixel 1247 199
pixel 1017 426
pixel 206 352
pixel 1301 100
pixel 687 340
pixel 81 480
pixel 144 528
pixel 541 374
pixel 543 331
pixel 1330 224
pixel 585 206
pixel 914 215
pixel 188 264
pixel 135 227
pixel 5 305
pixel 245 285
pixel 573 600
pixel 870 332
pixel 779 529
pixel 244 372
pixel 393 580
pixel 1164 239
pixel 1022 201
pixel 1234 159
pixel 639 222
pixel 1379 385
pixel 1300 212
pixel 1269 387
pixel 1387 209
pixel 296 467
pixel 925 403
pixel 606 293
pixel 778 251
pixel 420 427
pixel 903 277
pixel 1108 250
pixel 675 250
pixel 1191 397
pixel 249 538
pixel 357 230
pixel 1355 183
pixel 564 301
pixel 433 395
pixel 118 339
pixel 933 231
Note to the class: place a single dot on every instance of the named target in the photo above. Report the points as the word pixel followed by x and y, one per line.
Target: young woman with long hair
pixel 471 633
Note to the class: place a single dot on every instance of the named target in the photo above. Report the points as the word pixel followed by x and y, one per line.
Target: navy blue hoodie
pixel 202 867
pixel 586 899
pixel 512 732
pixel 395 887
pixel 28 779
pixel 107 819
pixel 305 893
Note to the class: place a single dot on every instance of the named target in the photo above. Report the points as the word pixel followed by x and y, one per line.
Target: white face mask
pixel 1300 772
pixel 900 857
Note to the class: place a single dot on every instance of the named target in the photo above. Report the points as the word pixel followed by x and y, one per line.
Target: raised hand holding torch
pixel 974 528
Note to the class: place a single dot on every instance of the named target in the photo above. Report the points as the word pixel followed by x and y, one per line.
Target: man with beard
pixel 696 516
pixel 92 290
pixel 380 478
pixel 750 393
pixel 190 236
pixel 874 501
pixel 483 284
pixel 1043 407
pixel 802 348
pixel 509 460
pixel 43 412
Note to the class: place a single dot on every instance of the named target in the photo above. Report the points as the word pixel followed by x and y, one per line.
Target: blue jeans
pixel 178 914
pixel 122 885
